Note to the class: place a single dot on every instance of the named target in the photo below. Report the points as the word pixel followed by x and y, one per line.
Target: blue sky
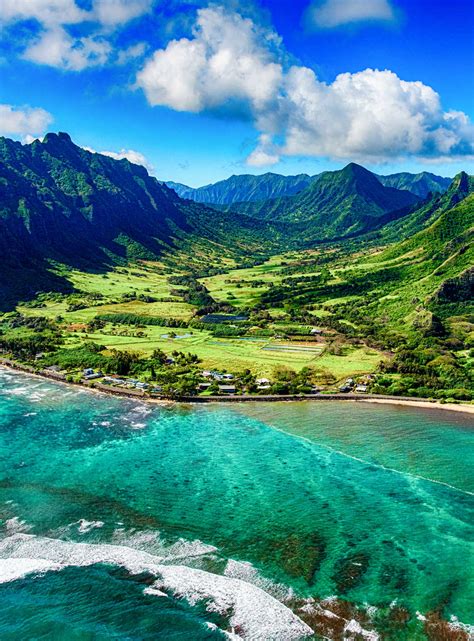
pixel 199 91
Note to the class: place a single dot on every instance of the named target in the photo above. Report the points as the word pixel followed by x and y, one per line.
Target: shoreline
pixel 414 402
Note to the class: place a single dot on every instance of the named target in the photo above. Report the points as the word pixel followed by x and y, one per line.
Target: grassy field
pixel 241 287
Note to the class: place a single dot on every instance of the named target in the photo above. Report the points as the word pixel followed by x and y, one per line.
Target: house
pixel 345 388
pixel 89 374
pixel 263 384
pixel 227 389
pixel 361 388
pixel 227 377
pixel 109 380
pixel 204 386
pixel 142 386
pixel 206 373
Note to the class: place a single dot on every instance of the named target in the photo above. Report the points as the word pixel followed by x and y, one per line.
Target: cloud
pixel 264 154
pixel 56 46
pixel 229 59
pixel 328 14
pixel 370 115
pixel 26 122
pixel 47 12
pixel 132 155
pixel 132 52
pixel 116 12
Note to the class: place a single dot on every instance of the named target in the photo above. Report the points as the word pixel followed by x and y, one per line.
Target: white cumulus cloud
pixel 26 122
pixel 115 12
pixel 327 14
pixel 55 45
pixel 47 12
pixel 56 48
pixel 369 115
pixel 228 59
pixel 135 157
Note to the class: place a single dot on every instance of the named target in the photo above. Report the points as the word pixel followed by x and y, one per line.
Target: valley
pixel 180 288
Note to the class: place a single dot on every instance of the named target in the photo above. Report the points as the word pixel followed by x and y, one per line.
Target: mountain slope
pixel 419 184
pixel 244 188
pixel 61 203
pixel 425 214
pixel 338 204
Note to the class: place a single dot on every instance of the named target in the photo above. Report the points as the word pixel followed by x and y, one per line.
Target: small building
pixel 350 382
pixel 227 377
pixel 142 386
pixel 227 389
pixel 361 388
pixel 110 380
pixel 316 331
pixel 169 361
pixel 206 373
pixel 262 381
pixel 204 386
pixel 89 374
pixel 345 388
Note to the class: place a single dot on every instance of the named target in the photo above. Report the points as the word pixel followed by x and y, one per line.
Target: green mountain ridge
pixel 340 204
pixel 62 203
pixel 419 184
pixel 246 187
pixel 250 188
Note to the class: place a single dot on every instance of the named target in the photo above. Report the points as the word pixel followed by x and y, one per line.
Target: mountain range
pixel 244 188
pixel 339 204
pixel 249 188
pixel 63 205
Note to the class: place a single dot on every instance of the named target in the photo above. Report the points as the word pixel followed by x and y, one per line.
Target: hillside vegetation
pixel 347 278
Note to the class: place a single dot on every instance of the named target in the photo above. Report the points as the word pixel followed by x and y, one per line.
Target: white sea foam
pixel 150 541
pixel 254 613
pixel 84 526
pixel 353 629
pixel 15 524
pixel 138 426
pixel 248 573
pixel 13 569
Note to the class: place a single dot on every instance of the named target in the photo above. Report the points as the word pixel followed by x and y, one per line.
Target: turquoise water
pixel 373 504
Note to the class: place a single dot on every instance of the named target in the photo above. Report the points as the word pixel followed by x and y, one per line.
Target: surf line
pixel 418 477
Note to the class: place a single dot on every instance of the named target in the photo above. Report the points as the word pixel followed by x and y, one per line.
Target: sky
pixel 197 91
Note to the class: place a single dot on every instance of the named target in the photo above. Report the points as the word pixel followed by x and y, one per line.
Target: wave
pixel 252 613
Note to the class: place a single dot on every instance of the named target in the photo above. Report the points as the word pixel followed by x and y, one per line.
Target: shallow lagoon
pixel 373 504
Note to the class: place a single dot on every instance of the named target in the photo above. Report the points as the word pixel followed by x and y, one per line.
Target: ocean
pixel 125 520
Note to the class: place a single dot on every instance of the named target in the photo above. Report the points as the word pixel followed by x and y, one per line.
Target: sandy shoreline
pixel 366 398
pixel 429 405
